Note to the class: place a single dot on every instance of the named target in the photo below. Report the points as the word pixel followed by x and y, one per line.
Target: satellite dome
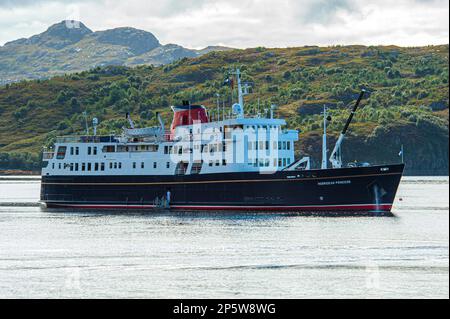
pixel 237 109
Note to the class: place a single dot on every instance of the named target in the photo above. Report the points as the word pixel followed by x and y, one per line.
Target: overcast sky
pixel 243 23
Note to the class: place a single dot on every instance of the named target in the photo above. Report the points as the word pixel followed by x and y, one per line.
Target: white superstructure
pixel 233 144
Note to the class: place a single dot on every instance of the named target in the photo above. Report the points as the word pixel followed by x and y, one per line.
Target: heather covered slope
pixel 407 100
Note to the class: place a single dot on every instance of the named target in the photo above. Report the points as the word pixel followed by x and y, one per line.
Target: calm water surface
pixel 47 254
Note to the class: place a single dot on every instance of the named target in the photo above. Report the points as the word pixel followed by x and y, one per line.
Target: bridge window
pixel 76 166
pixel 95 150
pixel 142 164
pixel 89 150
pixel 96 166
pixel 109 149
pixel 71 151
pixel 154 164
pixel 89 166
pixel 134 164
pixel 102 166
pixel 168 165
pixel 61 152
pixel 83 166
pixel 77 150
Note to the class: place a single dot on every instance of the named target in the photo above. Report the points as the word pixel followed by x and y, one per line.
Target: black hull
pixel 360 189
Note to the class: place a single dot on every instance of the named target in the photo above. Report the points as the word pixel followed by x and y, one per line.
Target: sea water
pixel 87 254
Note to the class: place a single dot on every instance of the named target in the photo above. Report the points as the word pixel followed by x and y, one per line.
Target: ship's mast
pixel 238 108
pixel 241 96
pixel 94 124
pixel 86 122
pixel 324 139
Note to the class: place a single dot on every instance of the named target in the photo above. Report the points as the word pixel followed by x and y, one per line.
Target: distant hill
pixel 70 46
pixel 407 100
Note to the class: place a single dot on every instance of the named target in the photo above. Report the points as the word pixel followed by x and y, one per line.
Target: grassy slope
pixel 407 104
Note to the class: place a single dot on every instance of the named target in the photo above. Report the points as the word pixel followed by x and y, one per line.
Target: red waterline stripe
pixel 369 207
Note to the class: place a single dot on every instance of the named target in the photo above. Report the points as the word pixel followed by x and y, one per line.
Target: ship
pixel 213 161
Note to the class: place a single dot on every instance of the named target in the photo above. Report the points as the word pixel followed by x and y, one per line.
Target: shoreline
pixel 18 172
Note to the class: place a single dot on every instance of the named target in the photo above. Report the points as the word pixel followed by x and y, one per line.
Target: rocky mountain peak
pixel 138 41
pixel 61 34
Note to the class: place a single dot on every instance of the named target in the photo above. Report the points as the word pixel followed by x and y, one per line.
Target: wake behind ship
pixel 206 162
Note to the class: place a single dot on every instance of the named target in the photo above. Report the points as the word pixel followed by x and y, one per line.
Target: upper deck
pixel 86 139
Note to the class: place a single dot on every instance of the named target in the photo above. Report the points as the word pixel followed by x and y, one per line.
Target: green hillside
pixel 407 101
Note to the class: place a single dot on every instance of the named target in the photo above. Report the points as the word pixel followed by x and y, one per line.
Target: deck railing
pixel 86 139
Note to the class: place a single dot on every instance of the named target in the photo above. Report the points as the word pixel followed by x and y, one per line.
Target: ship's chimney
pixel 187 114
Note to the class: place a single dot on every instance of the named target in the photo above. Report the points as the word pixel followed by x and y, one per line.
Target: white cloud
pixel 243 23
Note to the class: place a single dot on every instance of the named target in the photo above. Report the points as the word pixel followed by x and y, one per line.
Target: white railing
pixel 86 139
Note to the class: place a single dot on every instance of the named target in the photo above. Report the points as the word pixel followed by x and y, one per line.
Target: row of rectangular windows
pixel 106 149
pixel 217 163
pixel 261 145
pixel 76 151
pixel 155 165
pixel 90 150
pixel 99 166
pixel 118 165
pixel 86 166
pixel 282 162
pixel 168 149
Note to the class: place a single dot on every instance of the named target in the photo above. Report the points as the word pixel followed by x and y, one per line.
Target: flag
pixel 229 82
pixel 400 153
